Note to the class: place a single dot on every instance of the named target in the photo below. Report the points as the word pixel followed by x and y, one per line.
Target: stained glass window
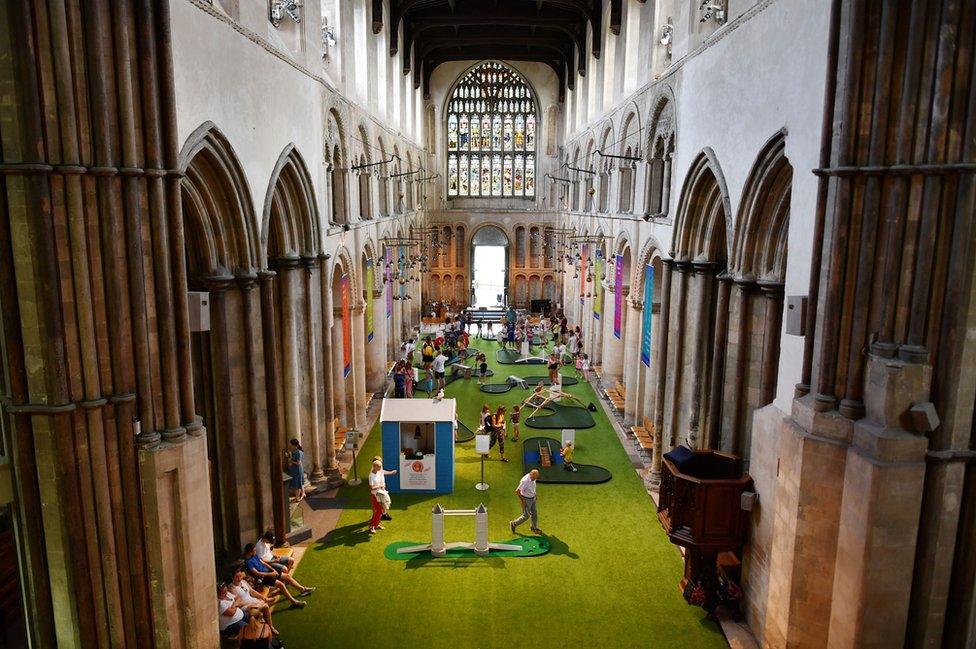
pixel 492 112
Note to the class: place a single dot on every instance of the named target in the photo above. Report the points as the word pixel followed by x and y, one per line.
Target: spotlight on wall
pixel 667 32
pixel 710 9
pixel 282 8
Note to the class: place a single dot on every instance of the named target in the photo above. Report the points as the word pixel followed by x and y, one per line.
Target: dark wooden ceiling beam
pixel 378 16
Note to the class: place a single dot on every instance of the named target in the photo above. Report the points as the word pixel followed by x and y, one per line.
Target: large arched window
pixel 491 134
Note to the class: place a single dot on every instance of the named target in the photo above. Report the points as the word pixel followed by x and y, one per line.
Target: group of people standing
pixel 495 424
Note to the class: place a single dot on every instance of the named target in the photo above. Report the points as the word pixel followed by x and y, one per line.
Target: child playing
pixel 578 361
pixel 586 367
pixel 482 369
pixel 516 414
pixel 567 454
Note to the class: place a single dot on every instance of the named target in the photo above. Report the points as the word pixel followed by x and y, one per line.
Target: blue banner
pixel 646 320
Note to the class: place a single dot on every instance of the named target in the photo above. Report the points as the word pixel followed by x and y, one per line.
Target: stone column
pixel 311 343
pixel 359 366
pixel 661 373
pixel 329 464
pixel 634 312
pixel 676 332
pixel 730 437
pixel 891 318
pixel 701 315
pixel 227 424
pixel 253 359
pixel 272 387
pixel 713 422
pixel 666 186
pixel 338 371
pixel 289 280
pixel 375 350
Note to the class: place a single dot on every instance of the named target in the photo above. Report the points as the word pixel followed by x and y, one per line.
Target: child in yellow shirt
pixel 567 454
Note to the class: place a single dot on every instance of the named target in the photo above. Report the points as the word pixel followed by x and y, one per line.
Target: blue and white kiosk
pixel 418 440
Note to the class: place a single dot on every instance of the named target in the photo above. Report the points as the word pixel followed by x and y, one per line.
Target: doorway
pixel 488 284
pixel 489 268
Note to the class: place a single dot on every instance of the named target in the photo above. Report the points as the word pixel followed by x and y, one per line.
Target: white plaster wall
pixel 749 79
pixel 237 72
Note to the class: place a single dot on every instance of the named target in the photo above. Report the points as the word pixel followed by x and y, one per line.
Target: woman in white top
pixel 377 481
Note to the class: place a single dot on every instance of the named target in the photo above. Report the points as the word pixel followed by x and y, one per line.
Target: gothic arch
pixel 759 246
pixel 289 223
pixel 218 212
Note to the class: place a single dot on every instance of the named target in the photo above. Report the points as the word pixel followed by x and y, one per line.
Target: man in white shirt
pixel 377 482
pixel 251 600
pixel 263 549
pixel 526 494
pixel 231 614
pixel 438 367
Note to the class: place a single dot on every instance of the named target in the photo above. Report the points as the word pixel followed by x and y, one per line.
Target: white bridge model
pixel 437 546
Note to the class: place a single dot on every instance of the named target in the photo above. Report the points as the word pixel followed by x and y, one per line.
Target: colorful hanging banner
pixel 584 255
pixel 618 295
pixel 646 320
pixel 369 300
pixel 598 285
pixel 388 276
pixel 401 264
pixel 346 326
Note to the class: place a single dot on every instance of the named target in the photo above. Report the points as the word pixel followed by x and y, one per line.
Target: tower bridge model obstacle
pixel 437 546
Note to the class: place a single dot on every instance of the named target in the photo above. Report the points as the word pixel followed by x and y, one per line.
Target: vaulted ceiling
pixel 553 32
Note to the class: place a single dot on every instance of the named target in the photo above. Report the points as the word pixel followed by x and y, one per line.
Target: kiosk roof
pixel 418 410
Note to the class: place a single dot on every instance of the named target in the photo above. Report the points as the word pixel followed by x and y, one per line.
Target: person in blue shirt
pixel 266 575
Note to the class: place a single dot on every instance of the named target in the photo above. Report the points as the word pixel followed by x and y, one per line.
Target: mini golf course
pixel 556 472
pixel 609 579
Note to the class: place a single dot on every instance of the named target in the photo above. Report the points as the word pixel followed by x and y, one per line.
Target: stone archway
pixel 222 257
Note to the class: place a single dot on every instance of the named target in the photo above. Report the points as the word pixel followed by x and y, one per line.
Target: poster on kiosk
pixel 418 441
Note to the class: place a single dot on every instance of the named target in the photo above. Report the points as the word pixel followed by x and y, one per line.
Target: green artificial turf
pixel 532 546
pixel 610 578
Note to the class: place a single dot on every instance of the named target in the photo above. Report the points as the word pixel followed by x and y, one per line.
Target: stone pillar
pixel 375 350
pixel 272 388
pixel 329 465
pixel 730 436
pixel 311 343
pixel 289 279
pixel 253 360
pixel 634 312
pixel 713 422
pixel 338 371
pixel 95 331
pixel 660 372
pixel 893 287
pixel 666 185
pixel 676 332
pixel 701 316
pixel 879 514
pixel 359 366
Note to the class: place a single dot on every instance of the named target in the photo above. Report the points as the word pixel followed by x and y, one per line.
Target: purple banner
pixel 618 295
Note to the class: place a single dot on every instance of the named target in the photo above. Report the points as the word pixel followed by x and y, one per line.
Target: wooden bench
pixel 616 396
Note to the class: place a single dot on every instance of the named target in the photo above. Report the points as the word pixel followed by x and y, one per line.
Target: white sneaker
pixel 380 527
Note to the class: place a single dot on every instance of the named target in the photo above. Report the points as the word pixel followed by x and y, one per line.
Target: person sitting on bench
pixel 266 575
pixel 263 549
